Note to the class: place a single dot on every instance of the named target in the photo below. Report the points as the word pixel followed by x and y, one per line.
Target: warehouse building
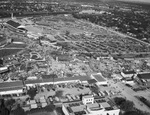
pixel 99 78
pixel 11 88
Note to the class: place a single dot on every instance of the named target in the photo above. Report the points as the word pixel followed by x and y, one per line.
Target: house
pixel 89 106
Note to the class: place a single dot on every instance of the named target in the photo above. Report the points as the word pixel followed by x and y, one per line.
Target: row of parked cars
pixel 104 93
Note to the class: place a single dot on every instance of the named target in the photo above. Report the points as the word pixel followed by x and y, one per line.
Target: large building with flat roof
pixel 89 106
pixel 11 88
pixel 99 78
pixel 53 79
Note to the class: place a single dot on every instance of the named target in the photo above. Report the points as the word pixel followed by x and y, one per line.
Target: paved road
pixel 129 94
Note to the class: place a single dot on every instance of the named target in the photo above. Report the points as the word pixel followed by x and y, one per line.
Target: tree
pixel 130 113
pixel 136 113
pixel 3 109
pixel 119 100
pixel 50 108
pixel 19 111
pixel 32 92
pixel 9 103
pixel 127 105
pixel 59 93
pixel 95 89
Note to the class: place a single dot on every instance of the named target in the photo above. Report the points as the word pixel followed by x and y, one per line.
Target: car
pixel 128 85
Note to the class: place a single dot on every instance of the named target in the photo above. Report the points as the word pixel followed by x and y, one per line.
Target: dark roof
pixel 11 85
pixel 13 24
pixel 49 76
pixel 81 78
pixel 69 110
pixel 128 71
pixel 11 88
pixel 144 76
pixel 92 81
pixel 63 57
pixel 99 77
pixel 33 81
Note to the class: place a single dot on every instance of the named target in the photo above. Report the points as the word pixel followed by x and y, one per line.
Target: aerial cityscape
pixel 74 57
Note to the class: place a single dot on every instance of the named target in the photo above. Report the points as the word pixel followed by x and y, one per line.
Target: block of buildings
pixel 89 106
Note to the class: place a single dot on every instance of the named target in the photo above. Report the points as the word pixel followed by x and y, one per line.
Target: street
pixel 129 94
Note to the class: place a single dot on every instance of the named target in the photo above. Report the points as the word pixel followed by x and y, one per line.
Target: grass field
pixel 7 52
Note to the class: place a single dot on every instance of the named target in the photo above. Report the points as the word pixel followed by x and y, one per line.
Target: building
pixel 53 79
pixel 10 88
pixel 128 73
pixel 17 87
pixel 13 25
pixel 128 81
pixel 89 106
pixel 99 78
pixel 143 79
pixel 3 40
pixel 3 69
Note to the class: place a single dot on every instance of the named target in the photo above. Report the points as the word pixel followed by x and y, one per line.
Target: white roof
pixel 33 106
pixel 44 104
pixel 32 102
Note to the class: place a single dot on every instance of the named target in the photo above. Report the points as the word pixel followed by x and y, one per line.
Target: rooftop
pixel 49 78
pixel 13 23
pixel 98 77
pixel 88 96
pixel 33 81
pixel 144 76
pixel 5 86
pixel 11 88
pixel 92 81
pixel 128 71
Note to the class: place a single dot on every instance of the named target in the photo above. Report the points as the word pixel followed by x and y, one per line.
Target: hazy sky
pixel 145 1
